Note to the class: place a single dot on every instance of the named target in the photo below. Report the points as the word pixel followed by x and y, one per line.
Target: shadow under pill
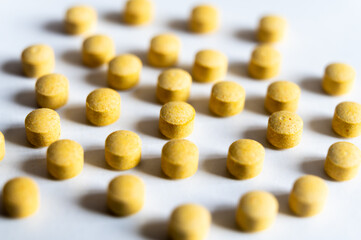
pixel 26 98
pixel 282 198
pixel 142 55
pixel 312 84
pixel 314 166
pixel 95 202
pixel 156 229
pixel 36 167
pixel 98 78
pixel 238 68
pixel 75 114
pixel 151 166
pixel 115 17
pixel 17 135
pixel 179 25
pixel 259 135
pixel 13 67
pixel 96 158
pixel 246 34
pixel 201 105
pixel 150 127
pixel 217 166
pixel 73 57
pixel 225 217
pixel 255 104
pixel 55 26
pixel 146 94
pixel 322 125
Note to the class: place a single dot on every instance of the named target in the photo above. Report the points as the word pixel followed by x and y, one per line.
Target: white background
pixel 320 32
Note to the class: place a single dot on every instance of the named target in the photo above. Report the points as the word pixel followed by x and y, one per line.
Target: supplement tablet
pixel 204 19
pixel 164 50
pixel 97 50
pixel 271 29
pixel 37 60
pixel 80 19
pixel 338 78
pixel 346 121
pixel 282 96
pixel 265 62
pixel 2 146
pixel 138 12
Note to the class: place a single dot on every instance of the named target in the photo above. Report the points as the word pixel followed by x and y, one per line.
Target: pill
pixel 256 211
pixel 123 149
pixel 347 119
pixel 125 195
pixel 42 127
pixel 80 19
pixel 176 119
pixel 173 85
pixel 265 62
pixel 103 106
pixel 52 91
pixel 308 196
pixel 37 60
pixel 189 222
pixel 204 19
pixel 338 78
pixel 2 146
pixel 245 158
pixel 227 98
pixel 164 50
pixel 209 66
pixel 138 12
pixel 271 29
pixel 20 197
pixel 282 96
pixel 97 50
pixel 179 159
pixel 284 129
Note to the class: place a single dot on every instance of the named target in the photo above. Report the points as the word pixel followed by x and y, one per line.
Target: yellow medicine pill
pixel 123 149
pixel 138 12
pixel 103 106
pixel 173 85
pixel 308 196
pixel 282 96
pixel 227 98
pixel 284 129
pixel 2 146
pixel 245 158
pixel 347 119
pixel 38 60
pixel 204 19
pixel 176 119
pixel 125 195
pixel 42 127
pixel 256 211
pixel 265 62
pixel 343 161
pixel 338 78
pixel 20 197
pixel 80 19
pixel 179 159
pixel 209 66
pixel 271 29
pixel 164 50
pixel 97 50
pixel 189 222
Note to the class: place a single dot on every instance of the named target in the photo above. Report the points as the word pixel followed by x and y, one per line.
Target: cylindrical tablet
pixel 38 60
pixel 173 85
pixel 80 19
pixel 103 106
pixel 189 222
pixel 338 78
pixel 164 50
pixel 271 29
pixel 204 19
pixel 308 196
pixel 138 12
pixel 125 195
pixel 97 50
pixel 20 197
pixel 179 159
pixel 227 98
pixel 42 127
pixel 245 158
pixel 256 211
pixel 343 161
pixel 282 96
pixel 284 129
pixel 265 62
pixel 209 66
pixel 2 146
pixel 176 119
pixel 123 149
pixel 347 119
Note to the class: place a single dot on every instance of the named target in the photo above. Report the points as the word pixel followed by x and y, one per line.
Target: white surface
pixel 320 32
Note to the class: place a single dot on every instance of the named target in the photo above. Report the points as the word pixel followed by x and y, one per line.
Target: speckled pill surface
pixel 164 50
pixel 125 195
pixel 2 146
pixel 282 96
pixel 97 50
pixel 123 149
pixel 284 129
pixel 42 127
pixel 204 19
pixel 271 29
pixel 308 196
pixel 20 197
pixel 137 12
pixel 37 60
pixel 80 19
pixel 176 119
pixel 179 159
pixel 338 79
pixel 209 66
pixel 103 106
pixel 256 211
pixel 265 62
pixel 346 121
pixel 189 222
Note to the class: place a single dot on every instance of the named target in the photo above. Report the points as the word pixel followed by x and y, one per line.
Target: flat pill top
pixel 211 58
pixel 42 120
pixel 285 122
pixel 174 79
pixel 258 204
pixel 349 112
pixel 18 190
pixel 123 143
pixel 179 151
pixel 246 151
pixel 272 23
pixel 309 189
pixel 204 13
pixel 51 84
pixel 344 154
pixel 64 152
pixel 165 44
pixel 126 187
pixel 37 54
pixel 103 99
pixel 190 218
pixel 97 44
pixel 265 55
pixel 227 91
pixel 340 72
pixel 177 112
pixel 125 64
pixel 283 91
pixel 80 14
pixel 138 6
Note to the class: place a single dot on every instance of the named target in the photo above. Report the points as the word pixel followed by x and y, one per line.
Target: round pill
pixel 179 159
pixel 37 60
pixel 227 98
pixel 103 106
pixel 282 96
pixel 284 129
pixel 2 146
pixel 308 196
pixel 256 211
pixel 271 29
pixel 80 19
pixel 173 85
pixel 209 66
pixel 138 12
pixel 189 222
pixel 343 161
pixel 338 78
pixel 204 19
pixel 176 119
pixel 42 127
pixel 164 50
pixel 123 149
pixel 20 197
pixel 125 195
pixel 97 50
pixel 265 62
pixel 124 71
pixel 347 119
